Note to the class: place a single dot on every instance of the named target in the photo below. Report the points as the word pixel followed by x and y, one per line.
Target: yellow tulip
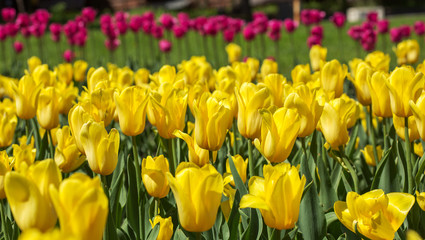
pixel 24 153
pixel 42 75
pixel 407 52
pixel 165 227
pixel 226 206
pixel 64 72
pixel 102 105
pixel 268 67
pixel 376 215
pixel 28 195
pixel 413 235
pixel 254 64
pixel 212 119
pixel 334 121
pixel 332 77
pixel 317 57
pixel 167 110
pixel 154 176
pixel 6 164
pixel 243 72
pixel 418 149
pixel 33 62
pixel 131 107
pixel 276 83
pixel 80 69
pixel 8 122
pixel 198 194
pixel 240 165
pixel 251 98
pixel 100 147
pixel 95 76
pixel 77 117
pixel 314 104
pixel 121 77
pixel 301 74
pixel 66 96
pixel 81 205
pixel 404 85
pixel 141 77
pixel 418 112
pixel 279 130
pixel 26 96
pixel 399 128
pixel 67 156
pixel 277 195
pixel 380 95
pixel 54 234
pixel 48 108
pixel 368 154
pixel 379 61
pixel 230 100
pixel 362 76
pixel 233 52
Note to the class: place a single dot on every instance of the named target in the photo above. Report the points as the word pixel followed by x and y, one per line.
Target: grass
pixel 147 55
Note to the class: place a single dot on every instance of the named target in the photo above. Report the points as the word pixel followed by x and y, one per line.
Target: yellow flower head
pixel 165 227
pixel 233 52
pixel 317 57
pixel 407 52
pixel 154 176
pixel 67 156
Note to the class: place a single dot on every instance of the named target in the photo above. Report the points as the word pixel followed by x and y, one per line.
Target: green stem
pixel 3 219
pixel 106 190
pixel 408 158
pixel 235 143
pixel 51 147
pixel 250 159
pixel 137 166
pixel 276 234
pixel 171 158
pixel 157 203
pixel 27 127
pixel 198 235
pixel 372 133
pixel 303 147
pixel 385 125
pixel 350 169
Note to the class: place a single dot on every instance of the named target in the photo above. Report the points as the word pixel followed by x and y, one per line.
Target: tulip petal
pixel 251 201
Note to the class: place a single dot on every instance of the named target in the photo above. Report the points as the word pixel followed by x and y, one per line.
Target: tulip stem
pixel 372 133
pixel 157 203
pixel 385 128
pixel 250 159
pixel 276 234
pixel 235 142
pixel 171 156
pixel 27 127
pixel 52 148
pixel 137 166
pixel 350 169
pixel 3 219
pixel 408 152
pixel 198 235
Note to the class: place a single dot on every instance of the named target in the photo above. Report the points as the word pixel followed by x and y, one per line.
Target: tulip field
pixel 221 142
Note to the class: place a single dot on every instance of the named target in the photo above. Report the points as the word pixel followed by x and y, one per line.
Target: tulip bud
pixel 233 52
pixel 26 97
pixel 80 68
pixel 8 122
pixel 368 154
pixel 48 108
pixel 165 227
pixel 378 60
pixel 332 77
pixel 241 166
pixel 6 164
pixel 154 176
pixel 33 62
pixel 24 153
pixel 67 156
pixel 317 57
pixel 362 76
pixel 380 95
pixel 407 52
pixel 301 74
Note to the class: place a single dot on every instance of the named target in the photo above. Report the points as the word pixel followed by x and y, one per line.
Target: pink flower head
pixel 68 55
pixel 122 27
pixel 313 40
pixel 395 35
pixel 259 16
pixel 147 26
pixel 405 31
pixel 18 46
pixel 235 24
pixel 260 22
pixel 199 23
pixel 157 31
pixel 248 33
pixel 419 28
pixel 135 23
pixel 167 21
pixel 148 16
pixel 183 17
pixel 211 28
pixel 11 29
pixel 8 14
pixel 275 25
pixel 338 19
pixel 367 26
pixel 3 33
pixel 80 38
pixel 382 26
pixel 55 28
pixel 112 43
pixel 179 31
pixel 25 32
pixel 274 36
pixel 368 40
pixel 105 19
pixel 229 35
pixel 89 14
pixel 311 16
pixel 222 22
pixel 372 17
pixel 121 16
pixel 290 25
pixel 165 45
pixel 37 29
pixel 317 31
pixel 41 16
pixel 23 20
pixel 355 32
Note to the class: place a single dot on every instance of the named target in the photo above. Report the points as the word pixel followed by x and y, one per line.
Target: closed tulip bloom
pixel 301 74
pixel 100 147
pixel 197 155
pixel 368 154
pixel 277 195
pixel 212 119
pixel 167 110
pixel 379 61
pixel 241 166
pixel 81 205
pixel 131 107
pixel 26 97
pixel 66 96
pixel 154 176
pixel 279 130
pixel 141 76
pixel 165 227
pixel 404 85
pixel 407 52
pixel 244 72
pixel 376 215
pixel 77 117
pixel 95 76
pixel 80 69
pixel 276 83
pixel 399 126
pixel 380 95
pixel 33 62
pixel 24 153
pixel 362 77
pixel 317 57
pixel 251 98
pixel 42 75
pixel 334 121
pixel 332 77
pixel 102 105
pixel 198 194
pixel 48 108
pixel 64 72
pixel 418 109
pixel 67 156
pixel 314 103
pixel 254 64
pixel 233 52
pixel 268 67
pixel 420 199
pixel 28 195
pixel 8 122
pixel 6 164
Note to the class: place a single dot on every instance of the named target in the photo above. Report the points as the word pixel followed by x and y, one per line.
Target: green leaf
pixel 238 180
pixel 234 217
pixel 420 172
pixel 179 234
pixel 43 147
pixel 153 234
pixel 327 193
pixel 255 227
pixel 350 149
pixel 380 169
pixel 330 218
pixel 132 199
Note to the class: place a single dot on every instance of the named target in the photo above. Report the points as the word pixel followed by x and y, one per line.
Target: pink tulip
pixel 368 40
pixel 317 31
pixel 68 55
pixel 8 14
pixel 25 32
pixel 395 35
pixel 355 32
pixel 275 25
pixel 18 46
pixel 311 16
pixel 121 16
pixel 23 20
pixel 135 23
pixel 419 28
pixel 248 33
pixel 157 31
pixel 3 33
pixel 372 17
pixel 260 22
pixel 211 28
pixel 313 40
pixel 11 29
pixel 147 27
pixel 405 31
pixel 112 44
pixel 167 21
pixel 274 36
pixel 148 16
pixel 165 46
pixel 88 14
pixel 229 35
pixel 179 31
pixel 382 26
pixel 290 25
pixel 122 27
pixel 338 19
pixel 37 29
pixel 41 16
